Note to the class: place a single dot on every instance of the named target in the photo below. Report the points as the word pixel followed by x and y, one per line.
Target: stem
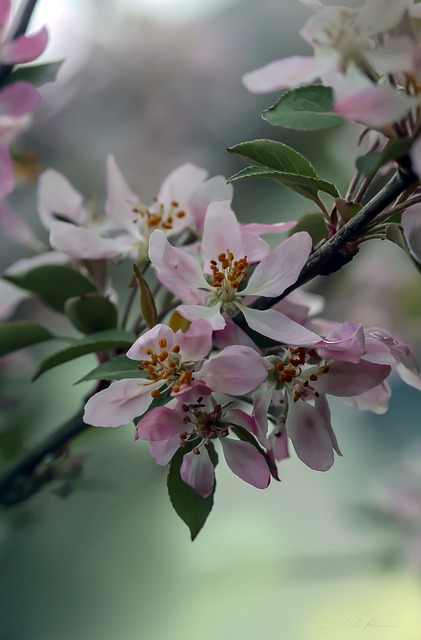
pixel 20 480
pixel 21 28
pixel 323 260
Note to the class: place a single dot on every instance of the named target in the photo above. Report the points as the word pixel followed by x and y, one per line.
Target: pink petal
pixel 15 228
pixel 215 189
pixel 232 334
pixel 281 267
pixel 19 98
pixel 120 403
pixel 180 272
pixel 236 370
pixel 246 462
pixel 287 72
pixel 347 379
pixel 306 428
pixel 395 56
pixel 374 105
pixel 375 399
pixel 221 232
pixel 57 196
pixel 120 199
pixel 180 184
pixel 212 315
pixel 198 473
pixel 275 325
pixel 5 6
pixel 7 180
pixel 196 342
pixel 150 340
pixel 163 450
pixel 345 342
pixel 85 244
pixel 160 423
pixel 411 218
pixel 24 48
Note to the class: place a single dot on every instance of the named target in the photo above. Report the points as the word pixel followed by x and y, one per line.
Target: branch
pixel 328 258
pixel 22 479
pixel 21 28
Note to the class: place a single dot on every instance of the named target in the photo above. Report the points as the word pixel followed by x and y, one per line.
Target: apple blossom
pixel 23 48
pixel 197 419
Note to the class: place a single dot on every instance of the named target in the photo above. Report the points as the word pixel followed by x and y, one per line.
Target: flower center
pixel 204 424
pixel 166 366
pixel 227 276
pixel 161 217
pixel 290 371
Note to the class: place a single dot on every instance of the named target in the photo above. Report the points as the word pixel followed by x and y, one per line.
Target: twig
pixel 323 260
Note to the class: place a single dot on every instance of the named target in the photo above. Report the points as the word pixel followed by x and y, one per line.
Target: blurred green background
pixel 157 83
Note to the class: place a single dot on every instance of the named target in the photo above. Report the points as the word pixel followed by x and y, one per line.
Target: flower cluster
pixel 227 352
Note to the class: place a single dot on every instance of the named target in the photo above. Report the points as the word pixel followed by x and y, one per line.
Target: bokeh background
pixel 158 83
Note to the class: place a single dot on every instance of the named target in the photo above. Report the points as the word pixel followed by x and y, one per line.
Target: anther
pixel 162 343
pixel 155 393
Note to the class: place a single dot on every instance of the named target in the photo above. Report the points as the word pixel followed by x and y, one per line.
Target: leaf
pixel 275 155
pixel 314 224
pixel 305 108
pixel 147 303
pixel 372 161
pixel 91 313
pixel 112 339
pixel 117 368
pixel 54 284
pixel 394 234
pixel 37 74
pixel 189 505
pixel 304 185
pixel 17 335
pixel 347 209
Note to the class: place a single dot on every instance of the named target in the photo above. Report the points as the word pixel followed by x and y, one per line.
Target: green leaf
pixel 275 155
pixel 192 508
pixel 54 284
pixel 37 74
pixel 314 224
pixel 304 185
pixel 394 234
pixel 347 209
pixel 117 368
pixel 147 303
pixel 371 162
pixel 91 313
pixel 17 335
pixel 112 339
pixel 305 108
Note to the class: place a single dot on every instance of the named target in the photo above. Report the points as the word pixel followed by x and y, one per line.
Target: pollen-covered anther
pixel 313 377
pixel 175 348
pixel 162 343
pixel 155 393
pixel 163 355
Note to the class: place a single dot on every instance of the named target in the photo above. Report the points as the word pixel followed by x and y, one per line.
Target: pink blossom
pixel 198 420
pixel 167 358
pixel 214 290
pixel 23 48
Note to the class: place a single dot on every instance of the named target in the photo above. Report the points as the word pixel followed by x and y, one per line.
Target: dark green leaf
pixel 112 339
pixel 54 284
pixel 147 303
pixel 37 74
pixel 305 108
pixel 314 224
pixel 275 155
pixel 91 313
pixel 304 185
pixel 118 368
pixel 192 508
pixel 394 234
pixel 17 335
pixel 371 162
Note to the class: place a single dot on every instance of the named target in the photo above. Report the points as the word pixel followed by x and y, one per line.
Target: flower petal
pixel 287 72
pixel 221 232
pixel 24 48
pixel 280 268
pixel 246 462
pixel 306 428
pixel 215 189
pixel 160 423
pixel 57 196
pixel 120 403
pixel 150 340
pixel 374 105
pixel 236 370
pixel 196 342
pixel 212 314
pixel 120 199
pixel 348 379
pixel 275 325
pixel 198 473
pixel 19 98
pixel 86 244
pixel 7 180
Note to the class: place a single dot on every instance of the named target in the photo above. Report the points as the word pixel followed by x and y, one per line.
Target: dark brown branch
pixel 325 260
